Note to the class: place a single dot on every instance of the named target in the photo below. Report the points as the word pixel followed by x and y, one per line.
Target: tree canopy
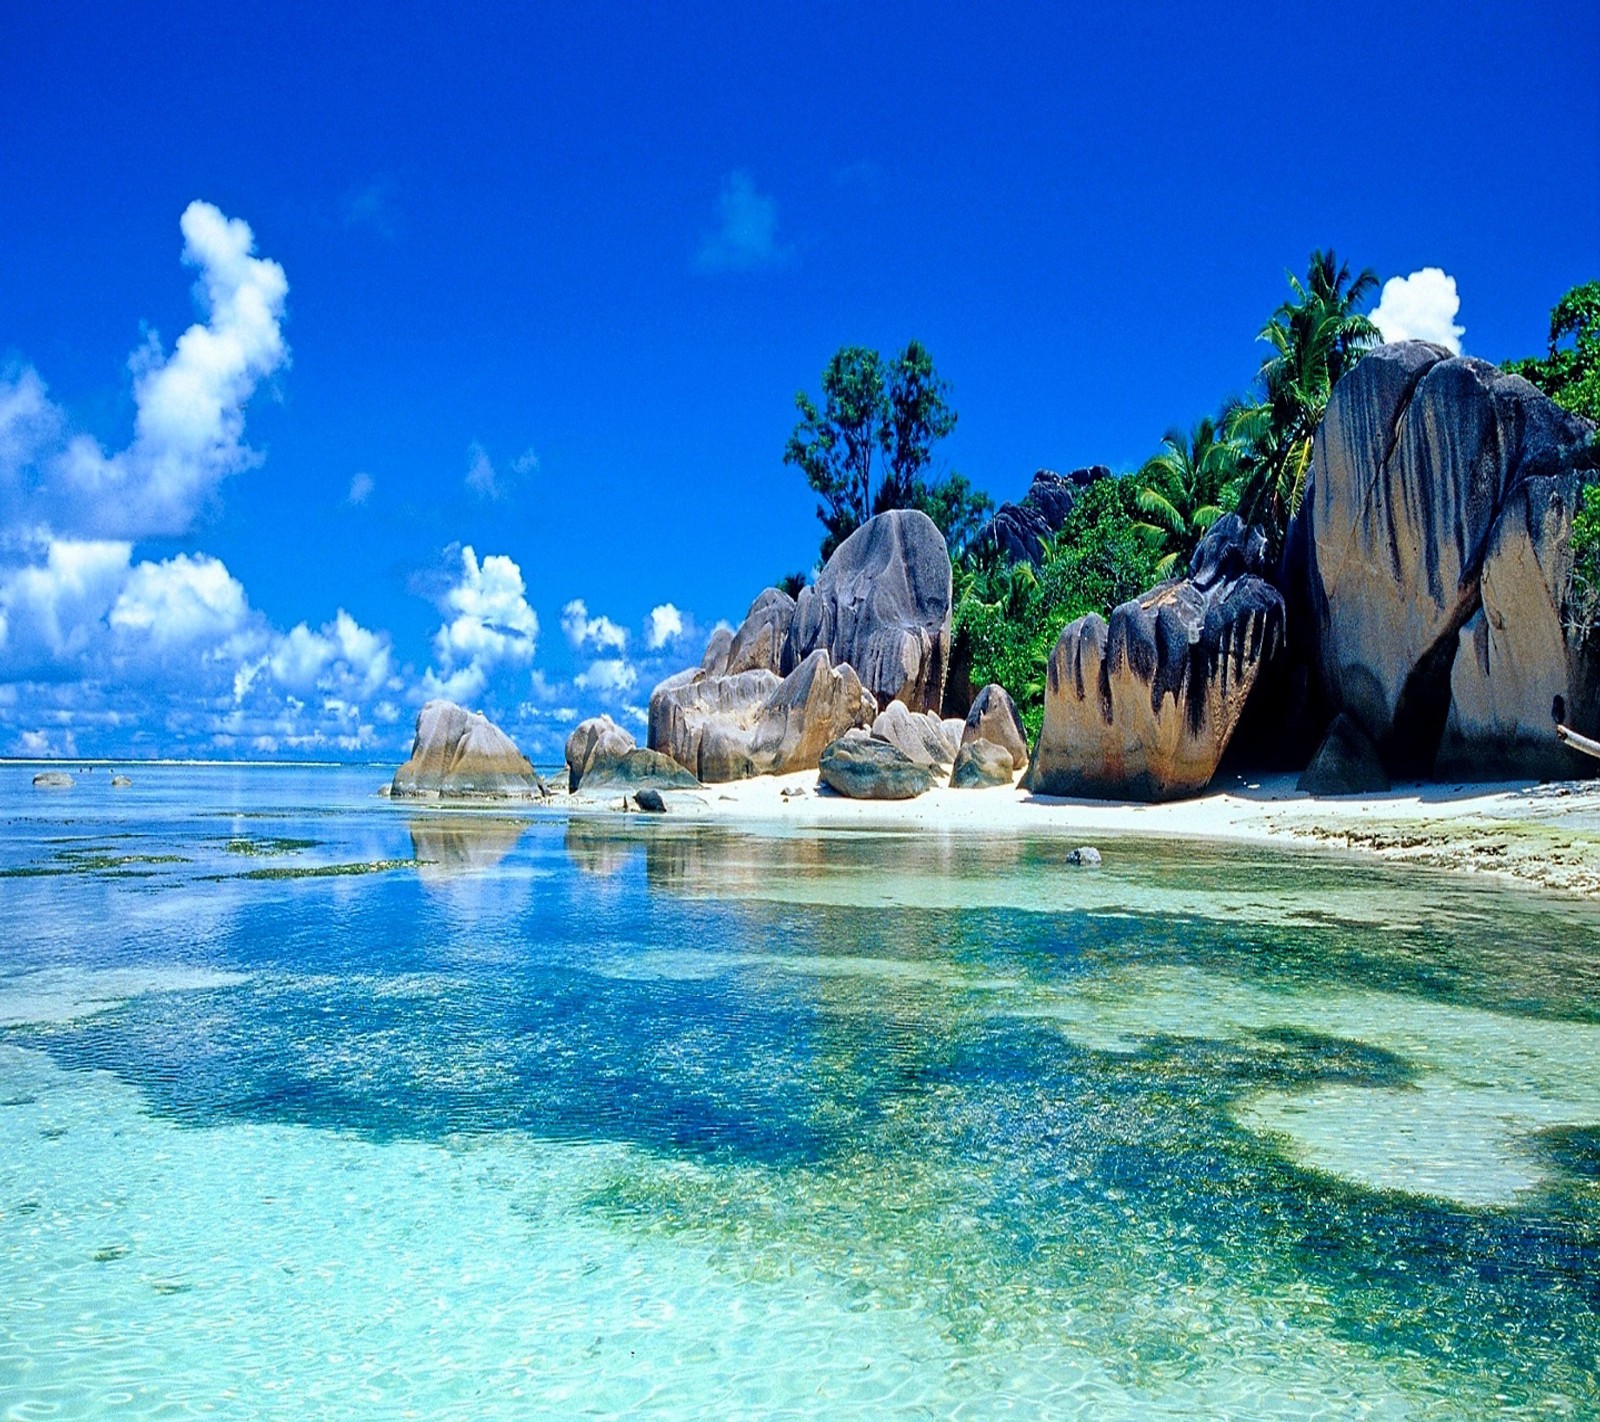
pixel 1570 373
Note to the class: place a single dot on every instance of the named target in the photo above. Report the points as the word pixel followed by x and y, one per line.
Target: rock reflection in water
pixel 447 848
pixel 602 848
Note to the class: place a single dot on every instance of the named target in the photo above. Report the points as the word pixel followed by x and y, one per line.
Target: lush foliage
pixel 1570 373
pixel 1316 335
pixel 1009 616
pixel 1188 486
pixel 881 414
pixel 1583 609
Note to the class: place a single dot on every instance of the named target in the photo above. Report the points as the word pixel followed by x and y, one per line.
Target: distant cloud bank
pixel 1420 307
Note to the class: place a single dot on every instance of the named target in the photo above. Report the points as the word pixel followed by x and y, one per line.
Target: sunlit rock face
pixel 882 604
pixel 1435 564
pixel 758 644
pixel 981 764
pixel 919 735
pixel 597 740
pixel 863 768
pixel 994 717
pixel 458 753
pixel 754 723
pixel 1143 706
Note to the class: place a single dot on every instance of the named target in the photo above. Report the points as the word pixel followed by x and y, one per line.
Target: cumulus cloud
pixel 665 625
pixel 746 235
pixel 180 601
pixel 489 623
pixel 609 676
pixel 1420 307
pixel 361 487
pixel 585 631
pixel 189 426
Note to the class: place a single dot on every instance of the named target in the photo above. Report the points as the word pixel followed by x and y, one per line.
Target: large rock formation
pixel 460 754
pixel 638 769
pixel 591 742
pixel 758 644
pixel 994 717
pixel 753 723
pixel 1019 531
pixel 919 735
pixel 1434 565
pixel 868 769
pixel 1142 707
pixel 882 605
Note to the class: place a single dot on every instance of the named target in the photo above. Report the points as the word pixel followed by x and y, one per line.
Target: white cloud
pixel 361 487
pixel 29 423
pixel 55 610
pixel 481 478
pixel 597 632
pixel 526 463
pixel 665 625
pixel 189 425
pixel 608 676
pixel 181 600
pixel 1420 307
pixel 490 622
pixel 746 235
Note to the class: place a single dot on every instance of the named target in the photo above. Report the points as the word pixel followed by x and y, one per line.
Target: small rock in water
pixel 650 801
pixel 1086 856
pixel 53 780
pixel 120 782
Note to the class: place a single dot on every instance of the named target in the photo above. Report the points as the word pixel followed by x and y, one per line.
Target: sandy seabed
pixel 1543 835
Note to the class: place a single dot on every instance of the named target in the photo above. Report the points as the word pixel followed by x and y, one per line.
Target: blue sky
pixel 543 288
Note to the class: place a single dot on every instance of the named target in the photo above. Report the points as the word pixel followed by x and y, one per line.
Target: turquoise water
pixel 312 1106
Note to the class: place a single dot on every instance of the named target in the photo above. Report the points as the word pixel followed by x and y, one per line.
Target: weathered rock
pixel 1018 531
pixel 1142 707
pixel 461 754
pixel 53 780
pixel 120 782
pixel 638 769
pixel 1085 856
pixel 729 728
pixel 882 605
pixel 1435 531
pixel 758 644
pixel 650 801
pixel 715 660
pixel 591 742
pixel 980 764
pixel 918 735
pixel 1347 763
pixel 994 717
pixel 867 769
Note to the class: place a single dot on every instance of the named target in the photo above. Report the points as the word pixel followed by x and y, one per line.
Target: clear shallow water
pixel 530 1118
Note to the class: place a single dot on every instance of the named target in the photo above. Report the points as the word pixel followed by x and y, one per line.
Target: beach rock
pixel 1347 763
pixel 459 753
pixel 994 717
pixel 868 769
pixel 1434 534
pixel 120 782
pixel 591 742
pixel 753 723
pixel 882 606
pixel 758 644
pixel 637 770
pixel 981 764
pixel 918 735
pixel 1018 532
pixel 650 801
pixel 53 780
pixel 1085 856
pixel 1142 707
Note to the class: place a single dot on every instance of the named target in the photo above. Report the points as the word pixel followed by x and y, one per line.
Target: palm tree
pixel 1187 486
pixel 1316 336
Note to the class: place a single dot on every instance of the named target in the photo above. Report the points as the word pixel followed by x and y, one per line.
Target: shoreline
pixel 1538 835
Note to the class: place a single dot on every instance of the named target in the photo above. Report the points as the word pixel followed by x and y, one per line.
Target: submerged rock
pixel 120 782
pixel 882 606
pixel 637 770
pixel 1346 763
pixel 867 769
pixel 994 717
pixel 1142 707
pixel 753 723
pixel 1435 535
pixel 592 742
pixel 1085 856
pixel 461 754
pixel 981 764
pixel 53 780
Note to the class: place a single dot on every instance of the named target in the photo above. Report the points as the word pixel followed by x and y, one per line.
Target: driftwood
pixel 1579 743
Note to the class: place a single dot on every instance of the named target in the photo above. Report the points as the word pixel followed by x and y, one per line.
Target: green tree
pixel 1316 335
pixel 1570 373
pixel 897 412
pixel 1187 486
